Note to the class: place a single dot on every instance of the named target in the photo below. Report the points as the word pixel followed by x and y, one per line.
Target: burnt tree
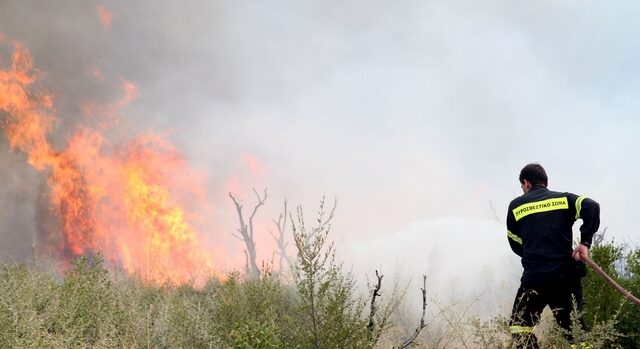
pixel 281 224
pixel 422 324
pixel 247 233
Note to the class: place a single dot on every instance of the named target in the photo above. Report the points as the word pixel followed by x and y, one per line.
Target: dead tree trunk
pixel 247 233
pixel 422 324
pixel 281 224
pixel 373 306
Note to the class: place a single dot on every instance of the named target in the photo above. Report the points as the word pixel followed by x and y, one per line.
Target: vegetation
pixel 603 304
pixel 91 306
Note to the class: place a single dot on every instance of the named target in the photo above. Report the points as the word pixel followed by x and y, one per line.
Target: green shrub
pixel 604 305
pixel 331 314
pixel 255 335
pixel 262 302
pixel 87 313
pixel 28 304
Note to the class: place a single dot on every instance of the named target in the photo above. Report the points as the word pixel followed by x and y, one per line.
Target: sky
pixel 416 115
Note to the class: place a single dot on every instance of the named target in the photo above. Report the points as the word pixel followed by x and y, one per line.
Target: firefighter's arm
pixel 515 240
pixel 589 211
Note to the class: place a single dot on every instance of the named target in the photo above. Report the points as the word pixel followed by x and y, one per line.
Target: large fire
pixel 119 200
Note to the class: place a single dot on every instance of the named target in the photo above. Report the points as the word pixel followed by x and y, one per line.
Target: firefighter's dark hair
pixel 535 174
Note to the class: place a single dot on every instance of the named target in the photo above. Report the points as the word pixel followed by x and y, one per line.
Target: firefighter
pixel 539 230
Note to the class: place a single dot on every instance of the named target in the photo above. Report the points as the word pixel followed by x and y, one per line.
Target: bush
pixel 28 307
pixel 331 313
pixel 604 305
pixel 253 311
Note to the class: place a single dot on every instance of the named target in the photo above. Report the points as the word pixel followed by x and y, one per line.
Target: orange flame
pixel 105 16
pixel 120 200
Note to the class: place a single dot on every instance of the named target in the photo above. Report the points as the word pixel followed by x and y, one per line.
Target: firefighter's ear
pixel 526 186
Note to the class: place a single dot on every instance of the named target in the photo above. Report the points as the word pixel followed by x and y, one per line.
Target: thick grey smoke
pixel 415 114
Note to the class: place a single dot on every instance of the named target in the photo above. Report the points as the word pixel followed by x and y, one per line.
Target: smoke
pixel 415 115
pixel 20 193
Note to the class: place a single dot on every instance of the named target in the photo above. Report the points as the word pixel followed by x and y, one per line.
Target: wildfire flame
pixel 106 16
pixel 119 200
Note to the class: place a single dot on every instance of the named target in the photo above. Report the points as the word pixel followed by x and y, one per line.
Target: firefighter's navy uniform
pixel 539 229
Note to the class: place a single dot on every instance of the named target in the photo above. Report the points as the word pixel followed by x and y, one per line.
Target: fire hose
pixel 610 281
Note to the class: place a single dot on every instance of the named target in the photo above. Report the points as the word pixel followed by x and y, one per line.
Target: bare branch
pixel 235 201
pixel 281 224
pixel 255 209
pixel 376 293
pixel 422 323
pixel 237 237
pixel 243 226
pixel 272 234
pixel 599 237
pixel 261 201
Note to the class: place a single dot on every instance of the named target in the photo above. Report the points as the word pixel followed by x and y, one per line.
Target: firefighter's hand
pixel 580 252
